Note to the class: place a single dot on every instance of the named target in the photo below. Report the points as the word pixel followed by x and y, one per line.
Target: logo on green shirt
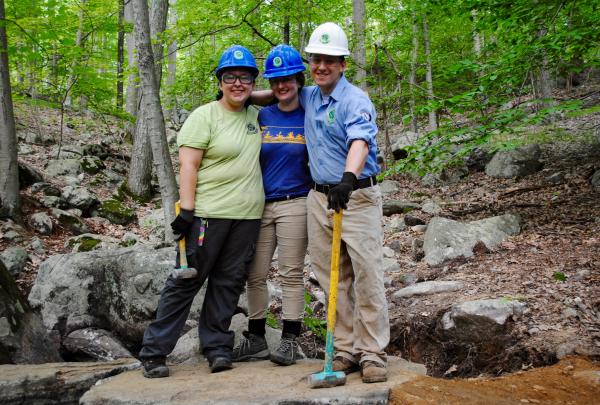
pixel 252 129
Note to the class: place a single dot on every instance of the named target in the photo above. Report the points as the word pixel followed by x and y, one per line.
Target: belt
pixel 361 183
pixel 283 198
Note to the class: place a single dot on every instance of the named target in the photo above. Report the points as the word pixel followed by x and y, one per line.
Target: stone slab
pixel 259 382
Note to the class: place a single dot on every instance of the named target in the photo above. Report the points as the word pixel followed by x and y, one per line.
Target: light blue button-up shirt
pixel 331 124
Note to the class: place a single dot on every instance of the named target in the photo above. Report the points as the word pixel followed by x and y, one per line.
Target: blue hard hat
pixel 236 56
pixel 283 60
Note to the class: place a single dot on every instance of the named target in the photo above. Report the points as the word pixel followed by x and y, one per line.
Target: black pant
pixel 223 258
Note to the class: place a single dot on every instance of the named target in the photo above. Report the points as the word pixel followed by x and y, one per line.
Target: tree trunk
pixel 9 167
pixel 140 169
pixel 477 43
pixel 358 53
pixel 286 29
pixel 412 78
pixel 131 103
pixel 429 77
pixel 171 110
pixel 79 43
pixel 120 56
pixel 156 124
pixel 543 80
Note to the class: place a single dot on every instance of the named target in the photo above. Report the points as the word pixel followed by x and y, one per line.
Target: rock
pixel 396 225
pixel 478 159
pixel 447 239
pixel 515 163
pixel 428 287
pixel 391 207
pixel 391 265
pixel 252 383
pixel 388 252
pixel 23 337
pixel 116 212
pixel 70 221
pixel 12 236
pixel 87 242
pixel 416 250
pixel 569 313
pixel 50 201
pixel 595 179
pixel 555 178
pixel 24 149
pixel 28 175
pixel 67 152
pixel 35 138
pixel 14 259
pixel 419 228
pixel 97 150
pixel 581 275
pixel 70 167
pixel 80 197
pixel 91 164
pixel 37 245
pixel 129 239
pixel 411 220
pixel 497 310
pixel 566 349
pixel 46 188
pixel 96 344
pixel 401 144
pixel 41 223
pixel 389 187
pixel 445 177
pixel 116 290
pixel 431 207
pixel 55 383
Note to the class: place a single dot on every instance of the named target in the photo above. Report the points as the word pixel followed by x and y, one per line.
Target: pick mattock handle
pixel 333 288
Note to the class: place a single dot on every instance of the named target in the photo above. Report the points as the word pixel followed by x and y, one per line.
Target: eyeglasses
pixel 283 80
pixel 317 60
pixel 230 78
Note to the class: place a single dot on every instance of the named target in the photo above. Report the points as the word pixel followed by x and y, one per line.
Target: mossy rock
pixel 91 164
pixel 116 212
pixel 84 244
pixel 123 193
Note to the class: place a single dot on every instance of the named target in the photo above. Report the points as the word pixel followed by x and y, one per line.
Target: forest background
pixel 456 72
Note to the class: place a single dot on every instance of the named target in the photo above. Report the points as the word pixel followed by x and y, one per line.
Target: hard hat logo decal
pixel 238 55
pixel 324 39
pixel 277 61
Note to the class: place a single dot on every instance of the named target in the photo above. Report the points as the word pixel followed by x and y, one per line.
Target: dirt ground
pixel 573 381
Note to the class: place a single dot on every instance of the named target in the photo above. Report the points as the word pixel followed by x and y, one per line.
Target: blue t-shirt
pixel 283 154
pixel 332 123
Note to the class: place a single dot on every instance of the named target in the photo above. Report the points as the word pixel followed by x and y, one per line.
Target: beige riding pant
pixel 283 226
pixel 362 329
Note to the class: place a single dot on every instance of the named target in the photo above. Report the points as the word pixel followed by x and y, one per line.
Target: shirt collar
pixel 336 94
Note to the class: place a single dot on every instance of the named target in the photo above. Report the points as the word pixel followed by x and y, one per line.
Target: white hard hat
pixel 328 39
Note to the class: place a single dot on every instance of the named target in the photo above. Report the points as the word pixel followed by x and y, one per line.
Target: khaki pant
pixel 362 329
pixel 283 226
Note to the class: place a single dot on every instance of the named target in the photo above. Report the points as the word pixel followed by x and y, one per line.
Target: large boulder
pixel 116 212
pixel 23 337
pixel 80 197
pixel 116 290
pixel 497 310
pixel 402 142
pixel 63 167
pixel 28 175
pixel 515 163
pixel 14 258
pixel 448 239
pixel 96 344
pixel 69 221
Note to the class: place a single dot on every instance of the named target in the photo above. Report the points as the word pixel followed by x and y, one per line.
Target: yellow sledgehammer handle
pixel 181 243
pixel 333 287
pixel 183 271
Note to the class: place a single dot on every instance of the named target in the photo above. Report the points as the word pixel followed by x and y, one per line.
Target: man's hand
pixel 338 196
pixel 182 223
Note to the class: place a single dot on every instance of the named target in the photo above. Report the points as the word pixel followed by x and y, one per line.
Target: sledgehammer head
pixel 184 272
pixel 327 379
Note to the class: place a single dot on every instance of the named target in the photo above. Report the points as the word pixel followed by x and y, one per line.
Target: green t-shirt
pixel 229 181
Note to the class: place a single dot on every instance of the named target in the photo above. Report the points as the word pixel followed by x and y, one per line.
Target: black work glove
pixel 338 196
pixel 182 223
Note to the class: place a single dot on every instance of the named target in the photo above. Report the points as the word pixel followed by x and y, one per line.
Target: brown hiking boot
pixel 373 372
pixel 343 364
